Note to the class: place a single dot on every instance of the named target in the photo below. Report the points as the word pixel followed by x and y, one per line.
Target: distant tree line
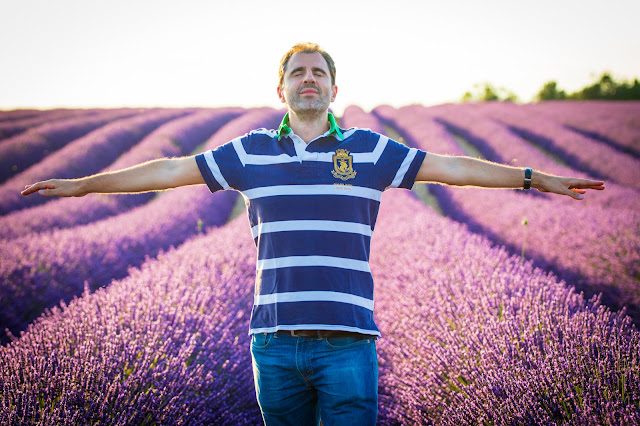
pixel 605 88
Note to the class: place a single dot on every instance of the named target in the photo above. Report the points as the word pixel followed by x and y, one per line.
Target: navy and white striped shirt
pixel 312 209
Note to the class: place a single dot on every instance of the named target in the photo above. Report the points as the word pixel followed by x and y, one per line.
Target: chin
pixel 317 107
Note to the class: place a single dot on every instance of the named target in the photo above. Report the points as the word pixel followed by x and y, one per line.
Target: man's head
pixel 307 79
pixel 306 48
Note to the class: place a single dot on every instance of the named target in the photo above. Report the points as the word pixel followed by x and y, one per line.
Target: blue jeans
pixel 300 380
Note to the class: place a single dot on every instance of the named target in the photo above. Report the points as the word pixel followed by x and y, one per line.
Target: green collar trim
pixel 284 128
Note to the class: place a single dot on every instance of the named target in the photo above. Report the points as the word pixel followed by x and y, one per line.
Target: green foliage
pixel 483 92
pixel 550 91
pixel 605 88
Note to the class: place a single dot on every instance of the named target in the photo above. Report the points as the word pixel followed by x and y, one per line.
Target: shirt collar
pixel 284 128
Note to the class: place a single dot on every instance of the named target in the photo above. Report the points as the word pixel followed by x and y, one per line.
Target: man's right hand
pixel 56 187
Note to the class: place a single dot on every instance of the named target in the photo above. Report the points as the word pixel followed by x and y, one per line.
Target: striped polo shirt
pixel 312 209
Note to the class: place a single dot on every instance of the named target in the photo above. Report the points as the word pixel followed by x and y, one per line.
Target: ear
pixel 334 92
pixel 280 91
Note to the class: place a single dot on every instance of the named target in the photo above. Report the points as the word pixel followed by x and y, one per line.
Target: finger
pixel 587 184
pixel 29 189
pixel 43 188
pixel 598 188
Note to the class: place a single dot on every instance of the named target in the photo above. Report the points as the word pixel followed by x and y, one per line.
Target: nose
pixel 309 77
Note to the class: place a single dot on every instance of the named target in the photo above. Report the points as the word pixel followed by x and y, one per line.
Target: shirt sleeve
pixel 399 165
pixel 221 168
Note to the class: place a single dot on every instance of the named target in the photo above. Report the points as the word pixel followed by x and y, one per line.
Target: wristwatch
pixel 527 177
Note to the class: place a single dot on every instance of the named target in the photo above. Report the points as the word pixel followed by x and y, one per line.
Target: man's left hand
pixel 573 187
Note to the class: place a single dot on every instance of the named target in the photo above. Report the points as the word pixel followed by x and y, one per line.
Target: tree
pixel 550 92
pixel 605 88
pixel 483 92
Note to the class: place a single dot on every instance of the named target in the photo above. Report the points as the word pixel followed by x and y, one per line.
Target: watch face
pixel 527 173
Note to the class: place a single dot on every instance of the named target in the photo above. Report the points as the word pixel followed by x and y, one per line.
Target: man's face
pixel 307 83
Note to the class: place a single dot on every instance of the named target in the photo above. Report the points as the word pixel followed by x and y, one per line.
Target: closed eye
pixel 318 72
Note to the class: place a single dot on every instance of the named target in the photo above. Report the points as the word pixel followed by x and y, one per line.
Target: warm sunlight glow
pixel 201 53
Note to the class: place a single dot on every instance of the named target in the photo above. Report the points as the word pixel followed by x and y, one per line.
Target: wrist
pixel 82 186
pixel 528 177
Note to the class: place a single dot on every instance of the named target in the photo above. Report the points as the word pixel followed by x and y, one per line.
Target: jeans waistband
pixel 323 333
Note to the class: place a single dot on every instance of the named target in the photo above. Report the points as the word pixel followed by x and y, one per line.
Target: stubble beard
pixel 309 108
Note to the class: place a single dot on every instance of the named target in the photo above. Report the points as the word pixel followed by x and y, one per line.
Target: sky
pixel 197 53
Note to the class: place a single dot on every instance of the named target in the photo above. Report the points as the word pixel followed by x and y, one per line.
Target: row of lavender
pixel 397 405
pixel 178 137
pixel 478 337
pixel 166 345
pixel 86 155
pixel 614 123
pixel 20 152
pixel 579 151
pixel 40 269
pixel 488 338
pixel 21 124
pixel 593 244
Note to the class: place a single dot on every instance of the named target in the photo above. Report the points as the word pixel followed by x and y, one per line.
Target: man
pixel 312 192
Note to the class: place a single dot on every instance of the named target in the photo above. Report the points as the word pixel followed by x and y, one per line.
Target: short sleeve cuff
pixel 207 174
pixel 410 176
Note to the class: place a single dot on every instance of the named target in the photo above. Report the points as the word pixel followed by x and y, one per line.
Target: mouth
pixel 309 91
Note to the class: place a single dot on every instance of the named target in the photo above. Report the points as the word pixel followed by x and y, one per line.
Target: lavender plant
pixel 476 336
pixel 16 126
pixel 21 151
pixel 470 333
pixel 614 123
pixel 166 345
pixel 354 116
pixel 176 138
pixel 19 114
pixel 495 142
pixel 84 156
pixel 473 331
pixel 36 271
pixel 603 242
pixel 580 152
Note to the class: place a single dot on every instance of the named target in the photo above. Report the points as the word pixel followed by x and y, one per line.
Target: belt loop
pixel 292 333
pixel 319 334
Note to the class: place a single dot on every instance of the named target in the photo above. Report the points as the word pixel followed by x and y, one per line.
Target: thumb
pixel 576 194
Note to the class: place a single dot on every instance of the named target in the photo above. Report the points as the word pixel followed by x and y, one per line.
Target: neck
pixel 308 124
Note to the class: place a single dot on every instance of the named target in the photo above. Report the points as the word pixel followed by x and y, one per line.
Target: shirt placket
pixel 301 147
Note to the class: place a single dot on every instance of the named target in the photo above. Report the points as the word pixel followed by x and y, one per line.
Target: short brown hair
pixel 306 48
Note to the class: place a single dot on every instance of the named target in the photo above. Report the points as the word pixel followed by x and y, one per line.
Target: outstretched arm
pixel 156 175
pixel 467 171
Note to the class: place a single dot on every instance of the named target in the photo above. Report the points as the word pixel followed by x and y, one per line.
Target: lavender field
pixel 495 306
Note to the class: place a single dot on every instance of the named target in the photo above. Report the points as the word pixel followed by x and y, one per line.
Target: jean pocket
pixel 346 342
pixel 261 340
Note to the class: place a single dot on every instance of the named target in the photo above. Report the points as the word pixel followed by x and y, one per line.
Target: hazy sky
pixel 81 53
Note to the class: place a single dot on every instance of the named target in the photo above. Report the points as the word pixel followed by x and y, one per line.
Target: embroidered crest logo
pixel 343 165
